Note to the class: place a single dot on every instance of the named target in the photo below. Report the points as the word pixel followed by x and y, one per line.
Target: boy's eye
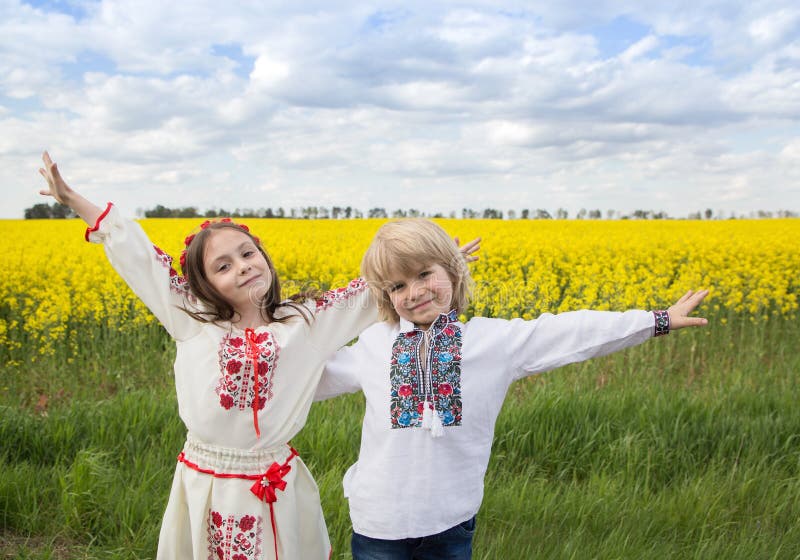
pixel 395 287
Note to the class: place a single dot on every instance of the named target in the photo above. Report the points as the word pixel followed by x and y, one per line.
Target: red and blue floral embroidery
pixel 236 388
pixel 332 297
pixel 441 386
pixel 232 538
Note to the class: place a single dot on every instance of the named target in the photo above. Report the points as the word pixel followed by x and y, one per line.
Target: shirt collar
pixel 441 322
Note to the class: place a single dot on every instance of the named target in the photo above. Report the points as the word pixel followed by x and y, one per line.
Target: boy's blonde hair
pixel 403 248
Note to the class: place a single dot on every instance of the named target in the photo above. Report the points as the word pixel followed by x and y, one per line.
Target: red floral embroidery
pixel 332 297
pixel 237 342
pixel 237 382
pixel 225 542
pixel 226 401
pixel 177 282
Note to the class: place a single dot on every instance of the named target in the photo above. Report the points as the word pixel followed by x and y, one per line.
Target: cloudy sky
pixel 675 106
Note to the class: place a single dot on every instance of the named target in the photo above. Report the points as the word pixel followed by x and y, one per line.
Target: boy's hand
pixel 469 248
pixel 679 312
pixel 57 187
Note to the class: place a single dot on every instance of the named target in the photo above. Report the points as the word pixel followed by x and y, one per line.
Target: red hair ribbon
pixel 189 238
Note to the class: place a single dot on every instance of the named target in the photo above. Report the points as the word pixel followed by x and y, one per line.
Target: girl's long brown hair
pixel 218 308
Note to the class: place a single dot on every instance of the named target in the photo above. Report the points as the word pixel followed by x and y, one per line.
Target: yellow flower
pixel 55 282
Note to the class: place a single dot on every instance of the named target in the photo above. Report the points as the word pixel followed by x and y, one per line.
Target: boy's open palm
pixel 468 249
pixel 679 312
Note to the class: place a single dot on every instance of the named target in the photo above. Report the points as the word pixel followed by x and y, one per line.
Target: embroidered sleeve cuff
pixel 662 322
pixel 91 231
pixel 340 296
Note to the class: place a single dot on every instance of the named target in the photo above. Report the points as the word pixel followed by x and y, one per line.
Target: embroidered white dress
pixel 237 495
pixel 407 483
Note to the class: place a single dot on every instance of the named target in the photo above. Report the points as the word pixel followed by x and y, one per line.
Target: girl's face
pixel 236 268
pixel 423 296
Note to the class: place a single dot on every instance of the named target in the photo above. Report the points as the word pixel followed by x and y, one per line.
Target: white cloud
pixel 267 72
pixel 639 49
pixel 460 103
pixel 774 26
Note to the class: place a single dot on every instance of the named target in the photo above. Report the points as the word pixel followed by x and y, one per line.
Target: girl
pixel 246 367
pixel 434 387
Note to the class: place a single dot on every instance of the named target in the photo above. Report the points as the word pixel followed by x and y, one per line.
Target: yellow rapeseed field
pixel 54 282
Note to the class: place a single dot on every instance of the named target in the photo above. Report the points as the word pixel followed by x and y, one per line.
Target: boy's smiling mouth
pixel 421 305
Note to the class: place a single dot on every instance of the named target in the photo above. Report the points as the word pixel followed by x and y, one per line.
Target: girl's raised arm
pixel 63 193
pixel 144 267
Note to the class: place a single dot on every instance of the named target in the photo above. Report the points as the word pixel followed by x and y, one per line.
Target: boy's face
pixel 421 297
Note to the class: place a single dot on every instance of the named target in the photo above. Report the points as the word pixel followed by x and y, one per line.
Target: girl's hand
pixel 679 312
pixel 58 188
pixel 469 248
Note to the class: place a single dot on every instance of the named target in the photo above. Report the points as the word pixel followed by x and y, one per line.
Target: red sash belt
pixel 264 486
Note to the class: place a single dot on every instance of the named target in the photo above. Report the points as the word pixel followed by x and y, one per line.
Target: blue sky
pixel 436 106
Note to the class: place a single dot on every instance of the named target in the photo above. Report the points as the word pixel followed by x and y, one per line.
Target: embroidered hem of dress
pixel 266 482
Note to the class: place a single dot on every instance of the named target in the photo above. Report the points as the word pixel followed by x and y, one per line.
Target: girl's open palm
pixel 57 187
pixel 679 312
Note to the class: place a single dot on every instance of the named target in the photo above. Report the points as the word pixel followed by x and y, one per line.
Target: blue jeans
pixel 453 544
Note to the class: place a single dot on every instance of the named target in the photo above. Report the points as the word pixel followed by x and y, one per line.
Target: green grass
pixel 687 447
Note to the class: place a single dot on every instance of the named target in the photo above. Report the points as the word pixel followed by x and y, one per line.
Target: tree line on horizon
pixel 59 211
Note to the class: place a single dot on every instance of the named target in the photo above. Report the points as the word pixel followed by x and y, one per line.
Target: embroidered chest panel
pixel 441 384
pixel 237 382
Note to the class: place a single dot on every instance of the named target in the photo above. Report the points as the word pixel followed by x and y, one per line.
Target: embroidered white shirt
pixel 408 484
pixel 214 378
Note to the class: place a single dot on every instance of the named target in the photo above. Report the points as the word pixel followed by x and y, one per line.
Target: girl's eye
pixel 394 287
pixel 424 273
pixel 223 267
pixel 248 254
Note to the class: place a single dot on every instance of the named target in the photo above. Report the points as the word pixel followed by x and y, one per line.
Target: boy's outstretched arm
pixel 679 312
pixel 58 189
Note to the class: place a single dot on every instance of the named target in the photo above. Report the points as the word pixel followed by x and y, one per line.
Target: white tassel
pixel 427 415
pixel 437 430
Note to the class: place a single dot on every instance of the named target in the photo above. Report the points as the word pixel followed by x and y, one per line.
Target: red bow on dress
pixel 265 487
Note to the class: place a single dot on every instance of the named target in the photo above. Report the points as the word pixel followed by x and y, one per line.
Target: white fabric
pixel 408 484
pixel 296 353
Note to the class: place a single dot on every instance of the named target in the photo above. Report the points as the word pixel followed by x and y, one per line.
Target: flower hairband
pixel 189 238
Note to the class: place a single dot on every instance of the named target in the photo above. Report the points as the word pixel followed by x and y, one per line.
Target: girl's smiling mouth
pixel 250 281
